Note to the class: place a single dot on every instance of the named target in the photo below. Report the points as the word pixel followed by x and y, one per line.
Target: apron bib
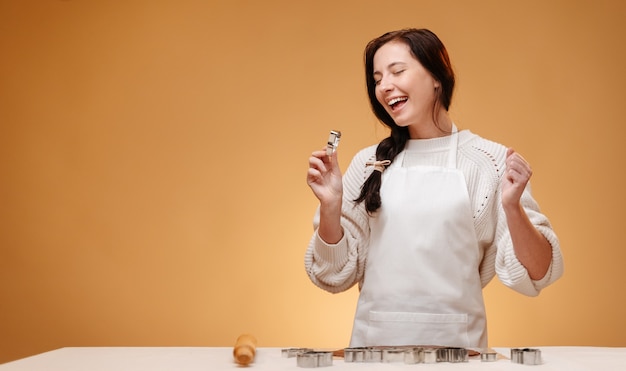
pixel 422 284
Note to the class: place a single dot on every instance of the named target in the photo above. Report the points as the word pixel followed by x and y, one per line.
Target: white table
pixel 270 359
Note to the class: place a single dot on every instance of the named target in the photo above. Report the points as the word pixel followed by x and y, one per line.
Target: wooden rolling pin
pixel 245 349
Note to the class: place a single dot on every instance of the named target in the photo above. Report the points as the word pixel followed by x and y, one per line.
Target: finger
pixel 313 176
pixel 512 154
pixel 517 175
pixel 518 163
pixel 319 154
pixel 318 163
pixel 520 168
pixel 334 160
pixel 331 162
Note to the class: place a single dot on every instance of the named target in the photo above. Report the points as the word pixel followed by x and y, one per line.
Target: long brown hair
pixel 431 53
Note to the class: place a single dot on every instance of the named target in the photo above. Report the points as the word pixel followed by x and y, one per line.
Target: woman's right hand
pixel 324 177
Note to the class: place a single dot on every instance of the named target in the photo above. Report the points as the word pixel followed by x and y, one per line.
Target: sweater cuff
pixel 332 254
pixel 555 270
pixel 512 272
pixel 545 280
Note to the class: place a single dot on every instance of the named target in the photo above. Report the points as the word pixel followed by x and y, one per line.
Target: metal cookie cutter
pixel 526 356
pixel 333 142
pixel 429 355
pixel 292 352
pixel 452 355
pixel 363 354
pixel 355 354
pixel 393 354
pixel 314 359
pixel 413 356
pixel 488 355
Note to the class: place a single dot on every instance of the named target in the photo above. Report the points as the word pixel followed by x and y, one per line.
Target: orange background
pixel 153 158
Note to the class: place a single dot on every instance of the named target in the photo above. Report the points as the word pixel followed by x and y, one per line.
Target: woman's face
pixel 404 87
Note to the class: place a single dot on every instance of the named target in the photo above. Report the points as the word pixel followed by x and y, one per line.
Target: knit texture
pixel 338 267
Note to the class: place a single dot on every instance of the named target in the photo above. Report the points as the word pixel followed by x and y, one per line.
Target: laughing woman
pixel 425 219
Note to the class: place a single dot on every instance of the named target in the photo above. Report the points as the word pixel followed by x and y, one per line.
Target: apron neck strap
pixel 454 143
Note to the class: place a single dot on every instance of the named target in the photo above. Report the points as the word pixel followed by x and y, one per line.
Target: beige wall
pixel 153 158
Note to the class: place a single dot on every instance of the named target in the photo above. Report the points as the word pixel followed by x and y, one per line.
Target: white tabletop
pixel 217 359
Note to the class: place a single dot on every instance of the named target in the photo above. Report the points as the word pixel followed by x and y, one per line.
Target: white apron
pixel 422 284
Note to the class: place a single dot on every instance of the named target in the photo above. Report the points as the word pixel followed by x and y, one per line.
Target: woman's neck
pixel 432 129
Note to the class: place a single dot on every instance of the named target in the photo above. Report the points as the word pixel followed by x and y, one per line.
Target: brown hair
pixel 432 55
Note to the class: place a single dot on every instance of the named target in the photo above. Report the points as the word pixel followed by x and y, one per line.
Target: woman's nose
pixel 385 85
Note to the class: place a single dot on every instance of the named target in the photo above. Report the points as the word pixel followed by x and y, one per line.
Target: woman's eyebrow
pixel 395 64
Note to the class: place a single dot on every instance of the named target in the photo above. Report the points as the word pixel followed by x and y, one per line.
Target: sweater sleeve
pixel 483 161
pixel 508 268
pixel 338 267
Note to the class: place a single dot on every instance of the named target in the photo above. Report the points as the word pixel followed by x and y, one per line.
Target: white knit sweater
pixel 338 267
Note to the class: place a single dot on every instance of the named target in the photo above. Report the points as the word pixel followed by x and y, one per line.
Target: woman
pixel 426 218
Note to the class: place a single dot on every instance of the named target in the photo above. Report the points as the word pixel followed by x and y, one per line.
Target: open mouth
pixel 396 102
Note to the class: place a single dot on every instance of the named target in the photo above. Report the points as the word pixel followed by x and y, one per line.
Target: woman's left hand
pixel 516 176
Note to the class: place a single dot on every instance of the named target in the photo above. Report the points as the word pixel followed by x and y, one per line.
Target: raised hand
pixel 516 176
pixel 324 177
